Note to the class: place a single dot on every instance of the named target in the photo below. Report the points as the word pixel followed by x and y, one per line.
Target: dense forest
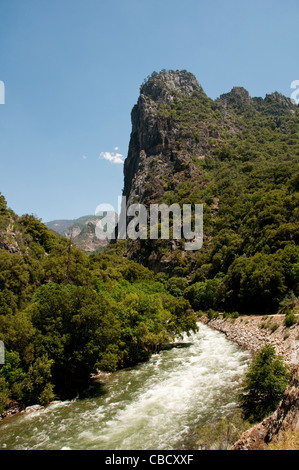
pixel 250 262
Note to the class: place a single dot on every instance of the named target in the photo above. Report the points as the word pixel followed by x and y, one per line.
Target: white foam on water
pixel 151 406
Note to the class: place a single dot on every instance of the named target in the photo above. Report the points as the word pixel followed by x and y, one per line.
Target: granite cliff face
pixel 175 125
pixel 171 126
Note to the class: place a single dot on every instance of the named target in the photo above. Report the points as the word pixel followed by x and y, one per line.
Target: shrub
pixel 212 314
pixel 222 433
pixel 233 315
pixel 274 327
pixel 290 319
pixel 264 385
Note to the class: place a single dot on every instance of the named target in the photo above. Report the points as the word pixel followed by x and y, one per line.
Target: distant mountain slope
pixel 82 231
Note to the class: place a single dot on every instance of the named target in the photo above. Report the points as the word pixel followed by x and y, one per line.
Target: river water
pixel 153 406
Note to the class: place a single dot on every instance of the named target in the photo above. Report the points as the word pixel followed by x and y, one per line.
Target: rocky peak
pixel 280 100
pixel 238 96
pixel 175 124
pixel 163 138
pixel 162 86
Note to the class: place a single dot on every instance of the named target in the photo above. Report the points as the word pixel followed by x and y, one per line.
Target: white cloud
pixel 112 157
pixel 84 157
pixel 116 149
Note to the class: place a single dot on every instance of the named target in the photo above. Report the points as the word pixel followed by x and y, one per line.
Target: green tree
pixel 264 385
pixel 205 294
pixel 12 377
pixel 3 205
pixel 8 302
pixel 255 284
pixel 290 318
pixel 177 285
pixel 37 383
pixel 75 326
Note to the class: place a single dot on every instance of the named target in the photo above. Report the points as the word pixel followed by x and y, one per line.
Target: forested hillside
pixel 64 314
pixel 239 157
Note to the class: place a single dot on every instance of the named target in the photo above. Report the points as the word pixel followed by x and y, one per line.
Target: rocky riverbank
pixel 15 408
pixel 252 333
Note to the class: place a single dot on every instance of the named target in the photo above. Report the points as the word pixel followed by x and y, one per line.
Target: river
pixel 153 406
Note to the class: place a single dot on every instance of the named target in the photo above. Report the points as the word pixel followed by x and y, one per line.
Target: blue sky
pixel 72 70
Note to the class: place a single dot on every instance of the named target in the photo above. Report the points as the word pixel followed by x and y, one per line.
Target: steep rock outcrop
pixel 169 129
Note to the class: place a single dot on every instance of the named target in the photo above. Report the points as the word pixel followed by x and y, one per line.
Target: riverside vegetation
pixel 64 314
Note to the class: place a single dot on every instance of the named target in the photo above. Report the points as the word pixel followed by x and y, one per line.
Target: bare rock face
pixel 9 239
pixel 161 144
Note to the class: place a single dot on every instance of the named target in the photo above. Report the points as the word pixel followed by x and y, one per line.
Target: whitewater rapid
pixel 153 406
